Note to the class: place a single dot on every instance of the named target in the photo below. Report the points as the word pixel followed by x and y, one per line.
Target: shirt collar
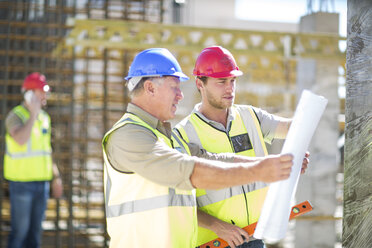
pixel 163 127
pixel 230 117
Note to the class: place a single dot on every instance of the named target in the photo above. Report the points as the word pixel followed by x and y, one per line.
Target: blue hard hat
pixel 155 62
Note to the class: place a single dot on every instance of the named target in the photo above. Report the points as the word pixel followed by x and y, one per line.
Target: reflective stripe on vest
pixel 171 199
pixel 141 213
pixel 31 161
pixel 239 204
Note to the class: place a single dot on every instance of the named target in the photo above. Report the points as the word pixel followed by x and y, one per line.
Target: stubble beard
pixel 218 104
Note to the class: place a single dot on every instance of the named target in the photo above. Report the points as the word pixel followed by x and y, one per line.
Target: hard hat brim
pixel 234 73
pixel 180 75
pixel 133 81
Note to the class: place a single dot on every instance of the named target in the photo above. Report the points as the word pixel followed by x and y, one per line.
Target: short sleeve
pixel 268 123
pixel 12 121
pixel 133 148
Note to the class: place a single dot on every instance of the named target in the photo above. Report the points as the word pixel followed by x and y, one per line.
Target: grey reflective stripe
pixel 19 113
pixel 172 199
pixel 126 119
pixel 191 133
pixel 108 182
pixel 252 132
pixel 214 196
pixel 28 154
pixel 179 142
pixel 133 121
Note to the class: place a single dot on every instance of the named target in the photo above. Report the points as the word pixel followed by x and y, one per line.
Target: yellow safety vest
pixel 141 213
pixel 239 205
pixel 31 161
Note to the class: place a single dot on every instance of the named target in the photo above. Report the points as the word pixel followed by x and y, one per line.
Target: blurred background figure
pixel 28 163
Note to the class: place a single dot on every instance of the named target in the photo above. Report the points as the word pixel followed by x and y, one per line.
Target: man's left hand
pixel 305 162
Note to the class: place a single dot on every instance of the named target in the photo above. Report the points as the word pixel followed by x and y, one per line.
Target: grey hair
pixel 139 87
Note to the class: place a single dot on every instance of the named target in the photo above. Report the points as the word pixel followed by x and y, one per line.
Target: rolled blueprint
pixel 273 222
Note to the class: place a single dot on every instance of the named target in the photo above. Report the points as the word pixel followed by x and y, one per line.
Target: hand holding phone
pixel 28 96
pixel 33 103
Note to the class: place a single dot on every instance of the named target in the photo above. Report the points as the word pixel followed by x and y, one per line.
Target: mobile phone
pixel 28 96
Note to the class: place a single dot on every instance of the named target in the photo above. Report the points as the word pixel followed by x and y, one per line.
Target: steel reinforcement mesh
pixel 87 97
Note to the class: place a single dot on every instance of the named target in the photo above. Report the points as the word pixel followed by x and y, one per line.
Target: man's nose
pixel 179 94
pixel 230 86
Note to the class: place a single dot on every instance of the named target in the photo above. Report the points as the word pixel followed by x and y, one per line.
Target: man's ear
pixel 199 84
pixel 149 88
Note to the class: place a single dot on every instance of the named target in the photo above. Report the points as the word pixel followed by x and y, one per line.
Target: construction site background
pixel 85 47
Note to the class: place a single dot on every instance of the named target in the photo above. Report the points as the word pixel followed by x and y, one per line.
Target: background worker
pixel 219 126
pixel 28 164
pixel 149 196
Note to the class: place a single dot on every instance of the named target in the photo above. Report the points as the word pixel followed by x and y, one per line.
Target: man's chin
pixel 228 104
pixel 172 115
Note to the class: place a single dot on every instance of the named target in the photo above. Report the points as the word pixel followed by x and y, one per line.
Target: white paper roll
pixel 273 222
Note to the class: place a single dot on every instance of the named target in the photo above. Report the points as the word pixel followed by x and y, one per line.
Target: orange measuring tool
pixel 297 210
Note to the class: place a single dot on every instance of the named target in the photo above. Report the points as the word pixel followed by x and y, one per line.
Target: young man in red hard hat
pixel 220 126
pixel 149 175
pixel 28 164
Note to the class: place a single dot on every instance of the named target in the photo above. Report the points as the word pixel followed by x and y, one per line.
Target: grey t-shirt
pixel 268 124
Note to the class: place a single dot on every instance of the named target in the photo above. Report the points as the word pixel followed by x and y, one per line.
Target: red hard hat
pixel 216 62
pixel 35 81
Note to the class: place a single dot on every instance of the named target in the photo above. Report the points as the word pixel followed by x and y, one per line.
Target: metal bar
pixel 84 146
pixel 161 11
pixel 126 6
pixel 106 4
pixel 58 239
pixel 125 66
pixel 44 31
pixel 144 10
pixel 105 119
pixel 72 97
pixel 88 9
pixel 71 151
pixel 26 57
pixel 105 90
pixel 4 104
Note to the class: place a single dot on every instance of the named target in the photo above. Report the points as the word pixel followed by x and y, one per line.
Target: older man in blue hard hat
pixel 149 173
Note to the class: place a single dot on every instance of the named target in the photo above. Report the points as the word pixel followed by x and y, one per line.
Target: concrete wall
pixel 221 14
pixel 318 184
pixel 320 22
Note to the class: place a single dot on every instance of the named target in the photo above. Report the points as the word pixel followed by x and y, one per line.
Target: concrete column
pixel 318 185
pixel 357 222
